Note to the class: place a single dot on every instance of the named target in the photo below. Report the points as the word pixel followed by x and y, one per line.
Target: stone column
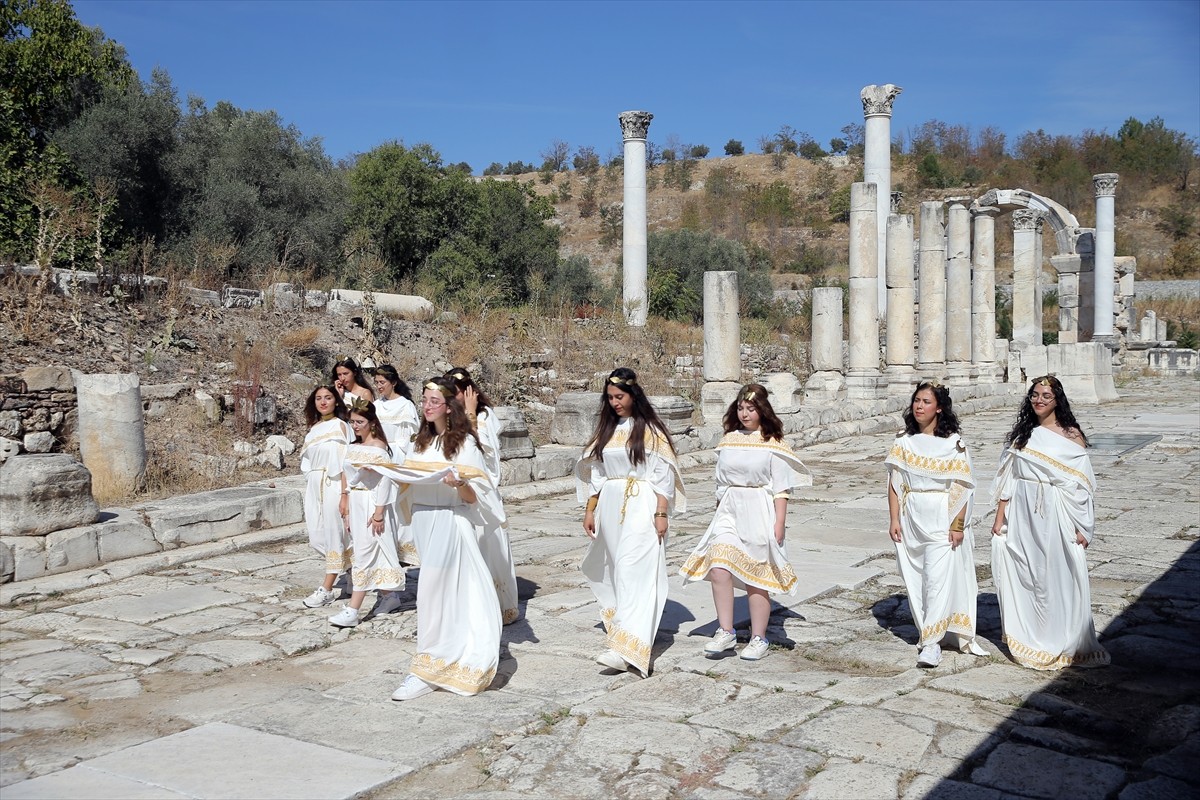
pixel 1026 310
pixel 902 300
pixel 112 437
pixel 634 125
pixel 862 380
pixel 877 168
pixel 931 345
pixel 958 292
pixel 722 345
pixel 1106 190
pixel 983 293
pixel 826 380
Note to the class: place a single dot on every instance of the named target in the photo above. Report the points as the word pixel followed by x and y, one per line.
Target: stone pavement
pixel 208 678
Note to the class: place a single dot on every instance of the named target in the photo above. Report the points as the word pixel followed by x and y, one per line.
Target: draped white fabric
pixel 751 473
pixel 626 564
pixel 398 417
pixel 376 560
pixel 932 478
pixel 321 464
pixel 493 538
pixel 1039 568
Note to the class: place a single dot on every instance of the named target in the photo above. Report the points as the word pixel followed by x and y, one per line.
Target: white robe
pixel 1039 568
pixel 376 562
pixel 493 539
pixel 398 417
pixel 751 473
pixel 321 464
pixel 458 613
pixel 932 479
pixel 626 563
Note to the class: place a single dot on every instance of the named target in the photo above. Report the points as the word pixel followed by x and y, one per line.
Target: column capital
pixel 896 198
pixel 985 211
pixel 1026 219
pixel 1106 184
pixel 634 124
pixel 956 201
pixel 877 100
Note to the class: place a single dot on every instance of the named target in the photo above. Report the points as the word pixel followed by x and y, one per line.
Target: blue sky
pixel 498 81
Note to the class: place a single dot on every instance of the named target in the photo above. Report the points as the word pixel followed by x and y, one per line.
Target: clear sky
pixel 498 81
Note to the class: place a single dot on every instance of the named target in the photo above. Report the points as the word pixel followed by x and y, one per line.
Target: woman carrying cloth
pixel 630 481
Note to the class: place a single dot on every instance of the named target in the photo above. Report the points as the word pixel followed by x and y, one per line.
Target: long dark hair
pixel 458 427
pixel 312 416
pixel 389 374
pixel 349 363
pixel 947 420
pixel 366 410
pixel 756 395
pixel 462 379
pixel 643 415
pixel 1027 420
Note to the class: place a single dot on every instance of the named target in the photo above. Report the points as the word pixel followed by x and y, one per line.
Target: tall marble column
pixel 958 292
pixel 983 293
pixel 1026 306
pixel 634 125
pixel 825 353
pixel 722 327
pixel 1106 190
pixel 877 167
pixel 862 379
pixel 931 345
pixel 902 300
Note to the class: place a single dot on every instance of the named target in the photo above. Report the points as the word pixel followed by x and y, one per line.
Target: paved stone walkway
pixel 210 679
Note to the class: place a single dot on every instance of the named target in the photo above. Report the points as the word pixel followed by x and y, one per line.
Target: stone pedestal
pixel 877 103
pixel 575 416
pixel 958 293
pixel 931 345
pixel 715 397
pixel 983 293
pixel 1026 306
pixel 43 493
pixel 787 393
pixel 1067 267
pixel 1106 190
pixel 1149 327
pixel 634 125
pixel 900 355
pixel 862 379
pixel 826 380
pixel 112 437
pixel 722 327
pixel 1085 370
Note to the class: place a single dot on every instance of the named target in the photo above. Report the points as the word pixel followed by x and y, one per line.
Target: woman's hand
pixel 780 531
pixel 660 526
pixel 894 530
pixel 376 526
pixel 470 400
pixel 344 506
pixel 589 523
pixel 956 538
pixel 1081 539
pixel 450 479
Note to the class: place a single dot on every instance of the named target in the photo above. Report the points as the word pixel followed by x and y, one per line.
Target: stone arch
pixel 1069 238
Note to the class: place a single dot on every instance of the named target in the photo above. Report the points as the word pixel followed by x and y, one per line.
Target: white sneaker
pixel 346 618
pixel 720 642
pixel 412 688
pixel 757 648
pixel 320 597
pixel 930 656
pixel 387 603
pixel 610 659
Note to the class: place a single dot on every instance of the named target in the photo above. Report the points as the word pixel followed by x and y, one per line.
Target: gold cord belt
pixel 631 490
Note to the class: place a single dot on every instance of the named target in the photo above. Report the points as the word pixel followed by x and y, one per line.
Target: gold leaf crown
pixel 748 395
pixel 437 387
pixel 360 404
pixel 458 376
pixel 618 381
pixel 1045 380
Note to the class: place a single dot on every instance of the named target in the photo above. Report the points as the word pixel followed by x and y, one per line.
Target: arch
pixel 1067 233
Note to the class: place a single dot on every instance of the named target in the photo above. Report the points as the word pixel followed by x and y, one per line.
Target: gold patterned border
pixel 325 437
pixel 377 578
pixel 1038 454
pixel 339 562
pixel 955 623
pixel 469 680
pixel 1030 657
pixel 941 466
pixel 727 556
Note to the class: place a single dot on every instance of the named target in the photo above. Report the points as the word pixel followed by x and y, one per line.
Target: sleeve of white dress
pixel 335 468
pixel 1002 486
pixel 1081 506
pixel 488 504
pixel 661 476
pixel 962 493
pixel 384 492
pixel 589 478
pixel 783 478
pixel 489 437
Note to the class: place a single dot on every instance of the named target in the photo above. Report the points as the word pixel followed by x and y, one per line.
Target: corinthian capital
pixel 1027 219
pixel 1106 184
pixel 634 124
pixel 877 100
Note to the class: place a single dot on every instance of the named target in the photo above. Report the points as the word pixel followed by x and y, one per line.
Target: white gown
pixel 751 474
pixel 932 478
pixel 398 417
pixel 321 464
pixel 1039 568
pixel 626 563
pixel 493 539
pixel 376 562
pixel 458 613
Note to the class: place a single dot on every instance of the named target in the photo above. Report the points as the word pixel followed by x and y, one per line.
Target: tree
pixel 554 157
pixel 810 150
pixel 495 168
pixel 698 151
pixel 787 140
pixel 676 263
pixel 586 162
pixel 837 146
pixel 734 148
pixel 854 136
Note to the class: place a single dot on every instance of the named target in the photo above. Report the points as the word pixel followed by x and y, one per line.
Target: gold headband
pixel 359 404
pixel 1045 380
pixel 934 383
pixel 458 376
pixel 749 395
pixel 442 390
pixel 622 381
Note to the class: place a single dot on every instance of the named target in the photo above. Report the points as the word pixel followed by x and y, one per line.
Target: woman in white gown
pixel 325 490
pixel 371 514
pixel 1045 519
pixel 493 540
pixel 348 378
pixel 743 546
pixel 630 481
pixel 930 498
pixel 448 493
pixel 398 416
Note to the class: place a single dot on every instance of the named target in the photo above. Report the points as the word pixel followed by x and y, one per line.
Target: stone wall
pixel 37 411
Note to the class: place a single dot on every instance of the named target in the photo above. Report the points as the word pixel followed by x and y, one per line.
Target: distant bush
pixel 734 148
pixel 676 262
pixel 698 151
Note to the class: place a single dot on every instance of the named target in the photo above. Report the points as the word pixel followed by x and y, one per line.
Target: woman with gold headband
pixel 325 493
pixel 744 545
pixel 931 491
pixel 448 495
pixel 630 481
pixel 1045 517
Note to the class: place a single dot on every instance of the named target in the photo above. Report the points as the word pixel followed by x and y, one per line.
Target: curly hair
pixel 458 427
pixel 756 395
pixel 947 420
pixel 366 410
pixel 643 415
pixel 1027 420
pixel 312 416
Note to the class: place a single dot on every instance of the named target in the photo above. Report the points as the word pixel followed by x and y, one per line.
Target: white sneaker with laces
pixel 412 688
pixel 757 648
pixel 346 618
pixel 610 659
pixel 320 597
pixel 720 642
pixel 387 603
pixel 930 656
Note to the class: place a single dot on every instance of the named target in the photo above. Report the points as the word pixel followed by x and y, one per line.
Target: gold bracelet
pixel 957 526
pixel 592 502
pixel 662 514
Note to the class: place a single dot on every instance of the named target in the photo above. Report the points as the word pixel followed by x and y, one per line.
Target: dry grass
pixel 299 339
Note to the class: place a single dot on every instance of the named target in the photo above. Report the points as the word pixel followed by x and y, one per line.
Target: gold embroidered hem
pixel 339 562
pixel 625 644
pixel 955 623
pixel 468 680
pixel 379 577
pixel 1083 479
pixel 408 554
pixel 956 466
pixel 757 573
pixel 1027 656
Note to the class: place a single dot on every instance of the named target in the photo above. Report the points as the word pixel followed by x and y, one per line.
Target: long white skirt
pixel 741 539
pixel 376 564
pixel 458 614
pixel 627 568
pixel 497 554
pixel 326 530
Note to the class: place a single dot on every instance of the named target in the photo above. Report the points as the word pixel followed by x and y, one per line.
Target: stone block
pixel 675 412
pixel 787 393
pixel 715 397
pixel 71 549
pixel 708 436
pixel 1173 360
pixel 515 471
pixel 208 516
pixel 10 424
pixel 285 296
pixel 343 308
pixel 120 533
pixel 824 386
pixel 8 448
pixel 233 297
pixel 42 379
pixel 41 493
pixel 40 442
pixel 282 444
pixel 163 391
pixel 213 466
pixel 575 416
pixel 315 298
pixel 514 433
pixel 202 297
pixel 6 562
pixel 1035 772
pixel 210 405
pixel 554 461
pixel 112 439
pixel 405 306
pixel 28 556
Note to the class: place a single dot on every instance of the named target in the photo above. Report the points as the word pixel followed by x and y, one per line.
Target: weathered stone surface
pixel 164 391
pixel 574 418
pixel 206 620
pixel 1180 762
pixel 767 770
pixel 995 682
pixel 10 424
pixel 43 493
pixel 282 444
pixel 234 652
pixel 663 697
pixel 1159 788
pixel 674 411
pixel 554 461
pixel 514 433
pixel 872 691
pixel 156 606
pixel 40 442
pixel 44 668
pixel 47 379
pixel 1033 772
pixel 931 787
pixel 73 548
pixel 294 642
pixel 763 715
pixel 8 448
pixel 516 471
pixel 225 512
pixel 112 437
pixel 787 392
pixel 853 781
pixel 866 733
